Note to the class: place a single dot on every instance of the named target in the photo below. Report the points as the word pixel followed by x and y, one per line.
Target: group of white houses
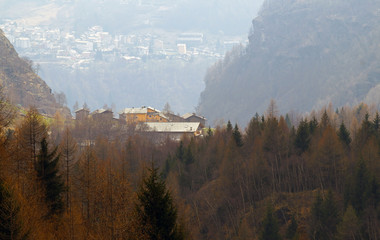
pixel 150 121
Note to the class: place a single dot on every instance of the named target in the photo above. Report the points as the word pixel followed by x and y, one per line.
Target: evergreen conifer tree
pixel 376 124
pixel 313 124
pixel 229 126
pixel 237 136
pixel 360 188
pixel 155 209
pixel 180 154
pixel 365 132
pixel 302 140
pixel 324 217
pixel 189 157
pixel 270 226
pixel 330 216
pixel 288 122
pixel 10 223
pixel 47 172
pixel 344 135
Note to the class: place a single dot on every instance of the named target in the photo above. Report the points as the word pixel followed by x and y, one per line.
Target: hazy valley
pixel 290 148
pixel 129 48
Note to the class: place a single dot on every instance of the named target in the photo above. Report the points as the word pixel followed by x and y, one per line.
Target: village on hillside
pixel 144 120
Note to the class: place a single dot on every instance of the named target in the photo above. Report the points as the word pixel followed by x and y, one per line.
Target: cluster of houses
pixel 150 120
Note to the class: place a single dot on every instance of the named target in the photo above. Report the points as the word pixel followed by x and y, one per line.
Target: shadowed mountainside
pixel 303 54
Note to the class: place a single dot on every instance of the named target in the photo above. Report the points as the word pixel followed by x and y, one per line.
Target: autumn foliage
pixel 282 177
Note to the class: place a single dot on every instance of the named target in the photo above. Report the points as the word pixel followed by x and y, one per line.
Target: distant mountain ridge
pixel 303 54
pixel 20 84
pixel 123 16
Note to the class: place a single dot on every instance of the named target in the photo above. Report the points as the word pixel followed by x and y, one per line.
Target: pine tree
pixel 155 209
pixel 237 136
pixel 313 125
pixel 169 162
pixel 365 132
pixel 270 226
pixel 229 126
pixel 344 135
pixel 324 217
pixel 47 172
pixel 180 154
pixel 189 156
pixel 11 226
pixel 330 216
pixel 288 121
pixel 302 140
pixel 360 188
pixel 376 124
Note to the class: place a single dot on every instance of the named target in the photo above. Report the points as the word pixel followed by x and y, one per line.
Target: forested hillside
pixel 81 179
pixel 303 54
pixel 20 83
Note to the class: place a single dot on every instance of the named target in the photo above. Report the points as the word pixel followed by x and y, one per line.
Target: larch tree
pixel 253 130
pixel 167 108
pixel 325 121
pixel 32 131
pixel 349 228
pixel 68 150
pixel 272 110
pixel 86 185
pixel 7 114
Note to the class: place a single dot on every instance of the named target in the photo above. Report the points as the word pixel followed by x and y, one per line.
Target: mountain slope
pixel 20 84
pixel 303 54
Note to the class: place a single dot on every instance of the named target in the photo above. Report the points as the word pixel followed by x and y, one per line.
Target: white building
pixel 181 48
pixel 23 42
pixel 84 45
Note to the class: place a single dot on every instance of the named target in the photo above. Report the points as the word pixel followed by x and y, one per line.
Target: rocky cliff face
pixel 20 84
pixel 304 54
